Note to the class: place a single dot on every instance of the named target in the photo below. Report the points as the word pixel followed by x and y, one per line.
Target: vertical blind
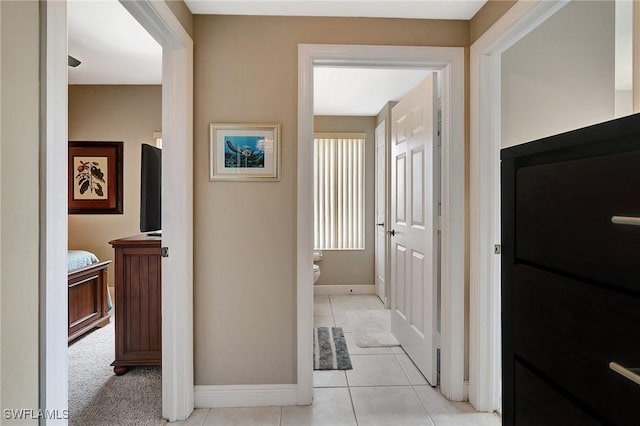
pixel 338 187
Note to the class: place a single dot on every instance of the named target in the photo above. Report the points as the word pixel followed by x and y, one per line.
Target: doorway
pixel 485 142
pixel 451 62
pixel 177 274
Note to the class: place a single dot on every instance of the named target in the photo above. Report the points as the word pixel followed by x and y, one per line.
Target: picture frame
pixel 95 178
pixel 244 152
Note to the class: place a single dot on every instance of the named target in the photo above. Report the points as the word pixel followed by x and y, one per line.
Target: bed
pixel 88 296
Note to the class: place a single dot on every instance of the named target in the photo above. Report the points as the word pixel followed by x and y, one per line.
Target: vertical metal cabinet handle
pixel 625 220
pixel 634 377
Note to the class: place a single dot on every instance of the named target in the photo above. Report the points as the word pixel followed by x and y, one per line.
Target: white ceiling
pixel 360 91
pixel 114 49
pixel 418 9
pixel 111 44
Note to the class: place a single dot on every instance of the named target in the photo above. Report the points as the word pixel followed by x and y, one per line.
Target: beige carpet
pixel 371 328
pixel 97 397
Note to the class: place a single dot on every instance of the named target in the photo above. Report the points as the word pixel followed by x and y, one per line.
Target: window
pixel 338 187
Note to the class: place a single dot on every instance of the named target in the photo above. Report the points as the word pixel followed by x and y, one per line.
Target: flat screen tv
pixel 150 190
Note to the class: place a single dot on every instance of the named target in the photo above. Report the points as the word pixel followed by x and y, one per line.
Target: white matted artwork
pixel 244 152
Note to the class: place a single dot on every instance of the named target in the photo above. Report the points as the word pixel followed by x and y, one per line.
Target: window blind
pixel 338 182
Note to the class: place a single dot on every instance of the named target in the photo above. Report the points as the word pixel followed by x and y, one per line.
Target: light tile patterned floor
pixel 384 388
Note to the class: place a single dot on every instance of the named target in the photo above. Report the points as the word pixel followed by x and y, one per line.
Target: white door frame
pixel 381 128
pixel 450 61
pixel 484 222
pixel 53 386
pixel 177 193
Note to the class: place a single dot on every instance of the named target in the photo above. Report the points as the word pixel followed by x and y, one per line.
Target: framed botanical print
pixel 95 178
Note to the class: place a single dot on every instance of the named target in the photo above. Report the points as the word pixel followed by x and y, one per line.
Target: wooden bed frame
pixel 87 298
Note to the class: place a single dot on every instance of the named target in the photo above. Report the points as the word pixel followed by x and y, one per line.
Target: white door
pixel 381 205
pixel 415 179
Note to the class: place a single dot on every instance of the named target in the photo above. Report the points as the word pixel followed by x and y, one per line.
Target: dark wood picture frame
pixel 95 177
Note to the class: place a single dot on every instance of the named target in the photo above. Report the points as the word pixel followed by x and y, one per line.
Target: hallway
pixel 384 388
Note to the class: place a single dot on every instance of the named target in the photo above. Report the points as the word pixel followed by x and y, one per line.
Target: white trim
pixel 177 204
pixel 383 129
pixel 344 289
pixel 53 209
pixel 450 60
pixel 245 396
pixel 304 230
pixel 177 286
pixel 0 201
pixel 484 222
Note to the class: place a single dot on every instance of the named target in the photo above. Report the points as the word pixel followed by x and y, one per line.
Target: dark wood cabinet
pixel 138 320
pixel 570 288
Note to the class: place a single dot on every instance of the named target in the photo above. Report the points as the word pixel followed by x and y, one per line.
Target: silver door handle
pixel 625 372
pixel 625 220
pixel 392 232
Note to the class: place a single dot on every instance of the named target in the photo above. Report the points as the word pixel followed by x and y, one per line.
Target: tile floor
pixel 384 388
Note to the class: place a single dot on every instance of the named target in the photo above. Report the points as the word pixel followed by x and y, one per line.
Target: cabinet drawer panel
pixel 571 331
pixel 538 404
pixel 141 293
pixel 563 217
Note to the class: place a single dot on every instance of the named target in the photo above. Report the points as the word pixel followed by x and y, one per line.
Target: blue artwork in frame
pixel 244 152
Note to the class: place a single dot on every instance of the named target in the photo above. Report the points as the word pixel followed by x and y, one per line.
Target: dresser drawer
pixel 538 404
pixel 571 331
pixel 563 217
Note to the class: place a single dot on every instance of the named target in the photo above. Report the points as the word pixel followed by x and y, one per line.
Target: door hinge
pixel 164 252
pixel 497 249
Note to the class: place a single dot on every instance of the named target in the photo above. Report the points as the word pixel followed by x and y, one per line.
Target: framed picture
pixel 244 152
pixel 95 178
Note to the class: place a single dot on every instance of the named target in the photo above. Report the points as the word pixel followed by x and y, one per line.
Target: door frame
pixel 484 200
pixel 177 193
pixel 450 61
pixel 382 128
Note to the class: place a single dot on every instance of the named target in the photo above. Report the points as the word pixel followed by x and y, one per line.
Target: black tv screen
pixel 150 189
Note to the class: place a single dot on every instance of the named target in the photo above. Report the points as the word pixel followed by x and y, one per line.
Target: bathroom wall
pixel 353 267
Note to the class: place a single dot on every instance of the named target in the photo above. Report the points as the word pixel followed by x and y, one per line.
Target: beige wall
pixel 487 16
pixel 560 76
pixel 19 218
pixel 353 267
pixel 245 252
pixel 113 113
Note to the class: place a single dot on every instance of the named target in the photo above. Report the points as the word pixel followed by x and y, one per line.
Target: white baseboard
pixel 244 396
pixel 344 289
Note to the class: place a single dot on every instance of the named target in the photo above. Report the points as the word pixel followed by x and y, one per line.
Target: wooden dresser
pixel 570 277
pixel 138 321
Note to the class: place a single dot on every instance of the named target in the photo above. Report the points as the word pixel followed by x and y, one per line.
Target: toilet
pixel 317 257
